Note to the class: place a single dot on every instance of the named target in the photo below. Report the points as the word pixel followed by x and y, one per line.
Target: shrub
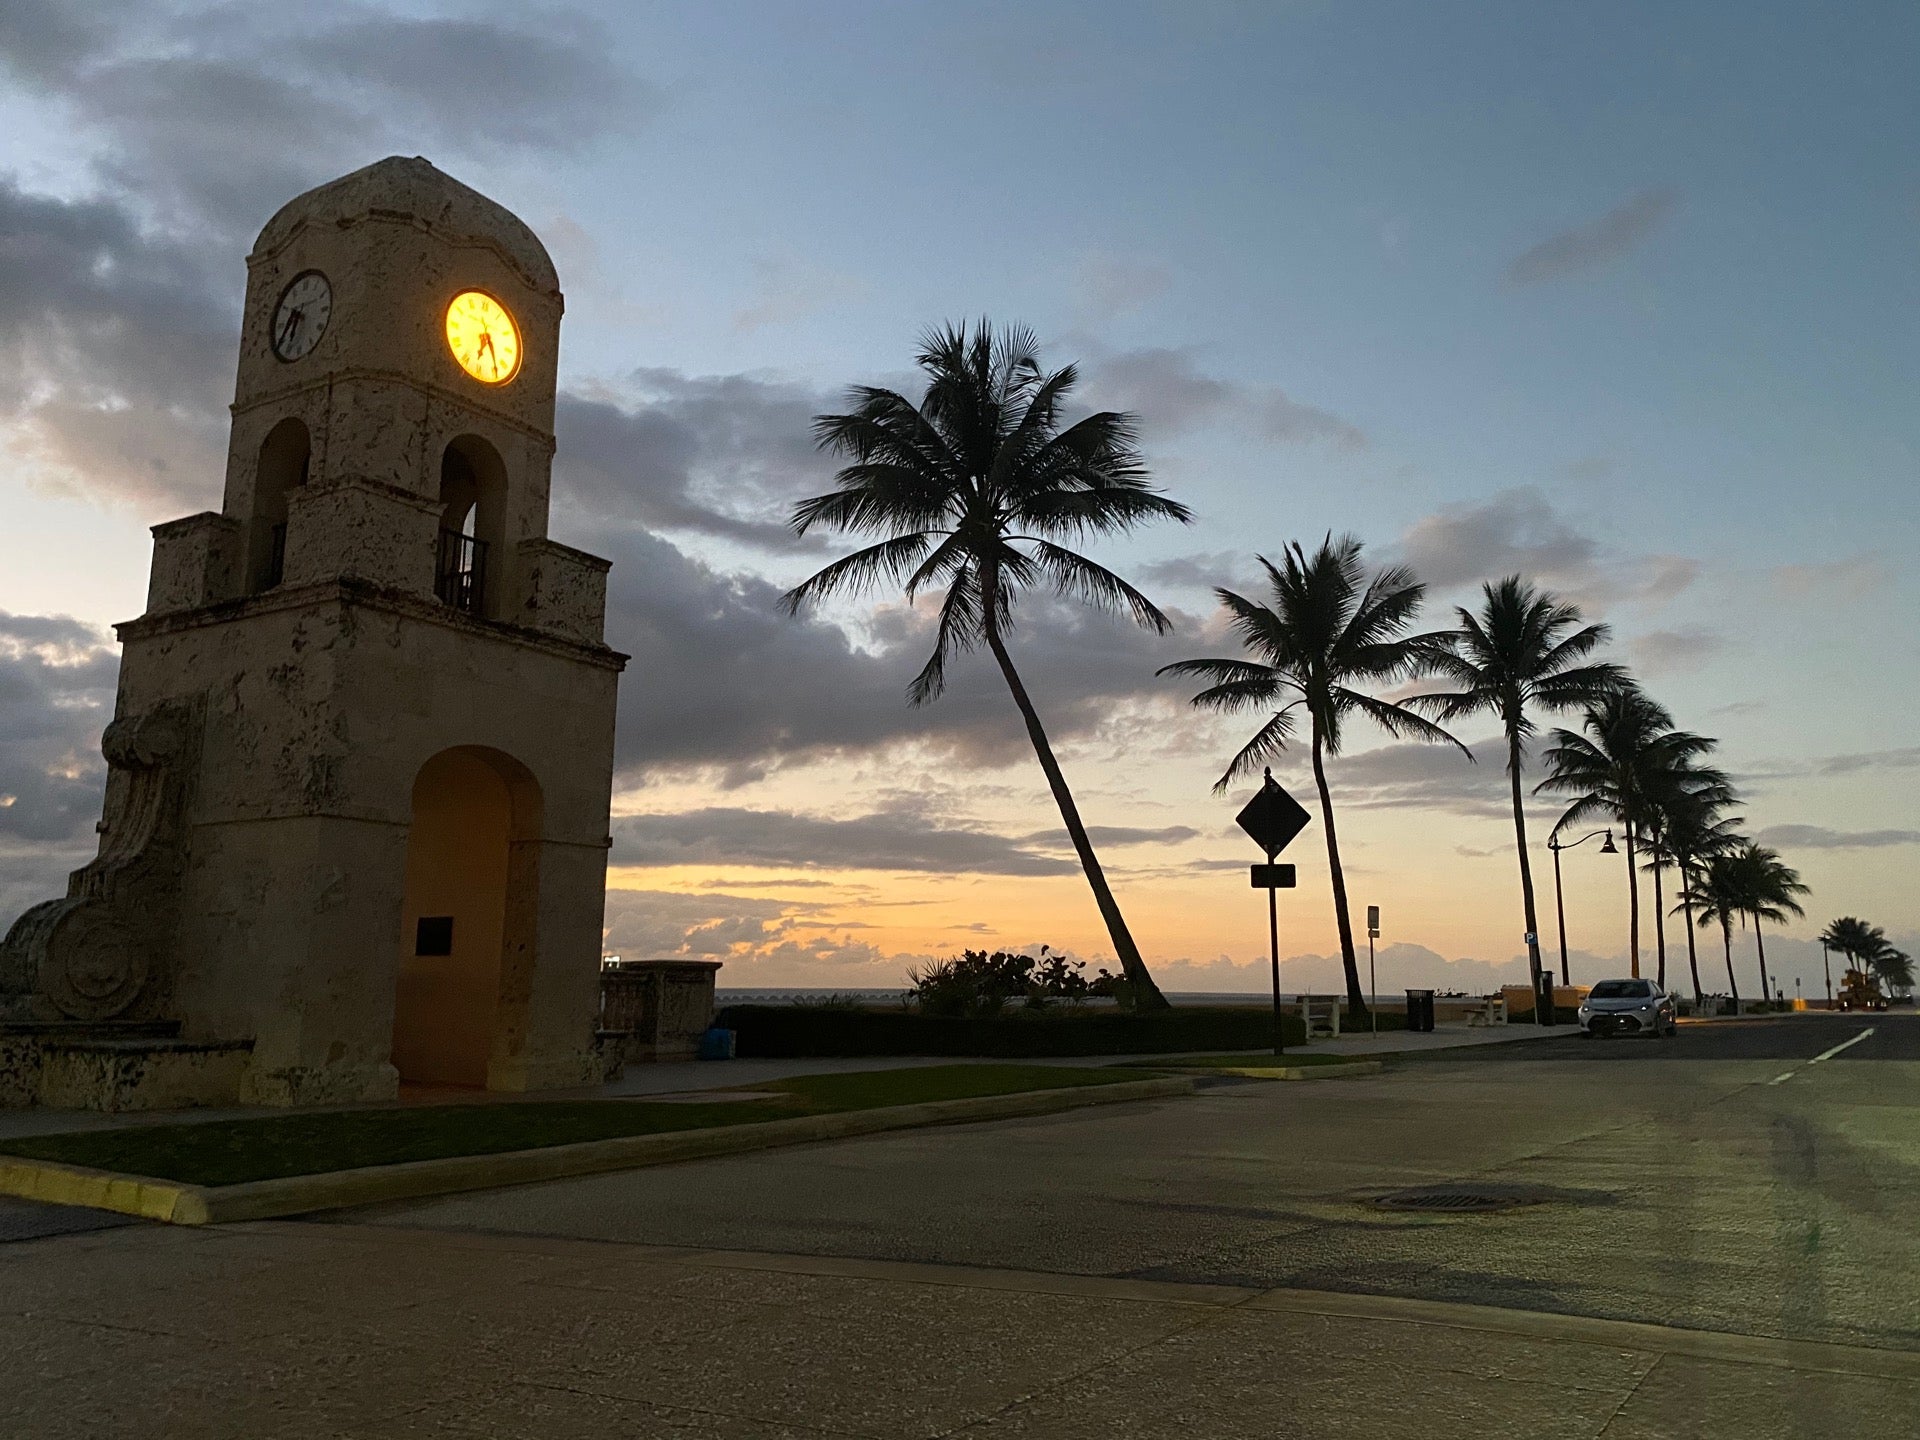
pixel 979 983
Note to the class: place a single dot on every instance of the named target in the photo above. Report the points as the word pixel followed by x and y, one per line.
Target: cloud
pixel 1168 391
pixel 1426 777
pixel 216 115
pixel 56 694
pixel 1904 758
pixel 790 290
pixel 1104 836
pixel 1518 531
pixel 1596 243
pixel 750 686
pixel 1198 571
pixel 119 310
pixel 718 455
pixel 112 350
pixel 1107 286
pixel 888 841
pixel 1665 652
pixel 1819 837
pixel 1852 578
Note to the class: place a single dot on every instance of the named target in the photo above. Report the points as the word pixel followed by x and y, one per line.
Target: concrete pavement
pixel 283 1331
pixel 1721 1252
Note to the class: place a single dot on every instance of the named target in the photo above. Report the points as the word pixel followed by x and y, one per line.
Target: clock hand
pixel 294 317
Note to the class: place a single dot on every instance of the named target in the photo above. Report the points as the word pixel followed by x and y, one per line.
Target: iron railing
pixel 460 571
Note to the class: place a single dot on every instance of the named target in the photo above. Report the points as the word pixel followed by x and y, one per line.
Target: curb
pixel 177 1203
pixel 1289 1072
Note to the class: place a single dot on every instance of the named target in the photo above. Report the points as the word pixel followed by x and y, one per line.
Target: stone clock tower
pixel 356 820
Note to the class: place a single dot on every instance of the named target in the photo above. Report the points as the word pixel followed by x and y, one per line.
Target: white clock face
pixel 300 319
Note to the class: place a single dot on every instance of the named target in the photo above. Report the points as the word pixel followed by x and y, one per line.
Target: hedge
pixel 792 1031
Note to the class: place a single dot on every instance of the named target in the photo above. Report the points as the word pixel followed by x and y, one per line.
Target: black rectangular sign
pixel 1273 877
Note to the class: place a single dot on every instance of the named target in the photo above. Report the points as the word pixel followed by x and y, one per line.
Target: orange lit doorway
pixel 470 807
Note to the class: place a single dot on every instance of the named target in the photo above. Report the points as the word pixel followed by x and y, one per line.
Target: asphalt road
pixel 1727 1179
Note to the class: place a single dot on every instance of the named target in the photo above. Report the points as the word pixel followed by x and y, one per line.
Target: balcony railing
pixel 460 571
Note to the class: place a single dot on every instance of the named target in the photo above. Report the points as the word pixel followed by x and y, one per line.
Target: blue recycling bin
pixel 715 1044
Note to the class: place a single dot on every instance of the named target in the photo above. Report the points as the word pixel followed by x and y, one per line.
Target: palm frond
pixel 1268 741
pixel 855 572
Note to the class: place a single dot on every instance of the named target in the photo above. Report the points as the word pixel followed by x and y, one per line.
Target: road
pixel 1724 1245
pixel 1688 1188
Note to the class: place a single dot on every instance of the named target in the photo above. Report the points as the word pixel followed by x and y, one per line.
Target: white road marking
pixel 1828 1055
pixel 1782 1079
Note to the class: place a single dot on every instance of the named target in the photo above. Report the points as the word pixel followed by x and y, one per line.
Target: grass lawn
pixel 1250 1058
pixel 230 1152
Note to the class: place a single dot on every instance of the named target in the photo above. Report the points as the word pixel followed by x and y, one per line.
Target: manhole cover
pixel 1460 1199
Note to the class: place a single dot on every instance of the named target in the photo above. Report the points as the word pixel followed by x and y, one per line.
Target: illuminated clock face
pixel 300 319
pixel 483 338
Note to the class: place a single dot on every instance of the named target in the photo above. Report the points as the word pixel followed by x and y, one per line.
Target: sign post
pixel 1273 818
pixel 1373 985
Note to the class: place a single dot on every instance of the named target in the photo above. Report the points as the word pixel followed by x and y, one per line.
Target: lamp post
pixel 1607 847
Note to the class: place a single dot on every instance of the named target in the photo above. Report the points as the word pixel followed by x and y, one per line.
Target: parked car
pixel 1628 1007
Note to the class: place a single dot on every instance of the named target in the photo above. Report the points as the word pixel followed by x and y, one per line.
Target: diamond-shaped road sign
pixel 1272 818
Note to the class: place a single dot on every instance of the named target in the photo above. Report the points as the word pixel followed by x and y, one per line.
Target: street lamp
pixel 1607 847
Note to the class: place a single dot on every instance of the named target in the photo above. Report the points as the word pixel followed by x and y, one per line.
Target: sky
pixel 1621 298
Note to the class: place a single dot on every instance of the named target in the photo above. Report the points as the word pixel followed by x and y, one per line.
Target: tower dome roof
pixel 411 186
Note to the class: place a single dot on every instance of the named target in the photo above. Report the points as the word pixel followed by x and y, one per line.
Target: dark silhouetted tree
pixel 978 492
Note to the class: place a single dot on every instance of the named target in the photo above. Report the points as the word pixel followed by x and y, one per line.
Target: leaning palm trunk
pixel 1693 957
pixel 1145 993
pixel 1541 1016
pixel 1356 1006
pixel 1726 944
pixel 1760 949
pixel 1659 921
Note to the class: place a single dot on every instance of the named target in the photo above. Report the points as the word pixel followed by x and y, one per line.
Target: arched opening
pixel 285 456
pixel 466 925
pixel 473 502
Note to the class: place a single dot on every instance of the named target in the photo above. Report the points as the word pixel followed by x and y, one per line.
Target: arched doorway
pixel 466 923
pixel 285 457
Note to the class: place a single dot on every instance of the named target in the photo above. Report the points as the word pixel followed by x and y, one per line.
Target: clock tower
pixel 360 765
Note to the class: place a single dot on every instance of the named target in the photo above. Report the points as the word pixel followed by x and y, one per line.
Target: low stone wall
pixel 654 1010
pixel 115 1075
pixel 116 1067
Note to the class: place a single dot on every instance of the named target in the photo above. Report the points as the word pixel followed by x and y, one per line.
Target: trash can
pixel 1420 1010
pixel 716 1044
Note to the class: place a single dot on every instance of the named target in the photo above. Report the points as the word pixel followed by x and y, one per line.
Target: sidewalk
pixel 679 1076
pixel 277 1330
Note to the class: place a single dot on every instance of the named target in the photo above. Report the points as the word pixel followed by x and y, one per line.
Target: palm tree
pixel 1629 751
pixel 975 489
pixel 1870 951
pixel 1893 968
pixel 1670 790
pixel 1329 629
pixel 1720 891
pixel 1525 650
pixel 1691 832
pixel 1771 887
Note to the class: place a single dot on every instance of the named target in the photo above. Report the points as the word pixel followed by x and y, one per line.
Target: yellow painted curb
pixel 182 1204
pixel 53 1184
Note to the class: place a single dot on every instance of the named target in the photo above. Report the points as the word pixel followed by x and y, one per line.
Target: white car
pixel 1628 1007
